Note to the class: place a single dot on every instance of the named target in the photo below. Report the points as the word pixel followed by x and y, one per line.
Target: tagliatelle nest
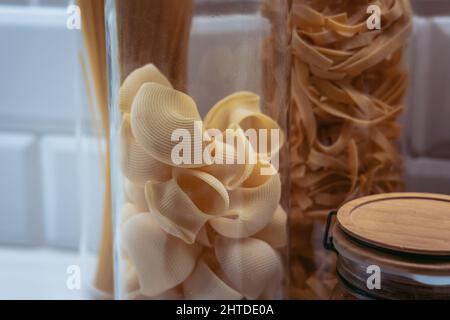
pixel 347 89
pixel 348 85
pixel 198 231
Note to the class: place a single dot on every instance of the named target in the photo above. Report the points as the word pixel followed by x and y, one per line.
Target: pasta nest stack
pixel 348 85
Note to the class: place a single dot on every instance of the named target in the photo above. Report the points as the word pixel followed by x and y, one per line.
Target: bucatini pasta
pixel 188 229
pixel 348 85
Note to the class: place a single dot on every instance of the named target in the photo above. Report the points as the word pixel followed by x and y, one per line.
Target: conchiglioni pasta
pixel 251 265
pixel 135 194
pixel 132 84
pixel 184 204
pixel 232 109
pixel 137 165
pixel 274 233
pixel 133 288
pixel 161 261
pixel 128 210
pixel 157 114
pixel 176 212
pixel 204 284
pixel 251 208
pixel 228 166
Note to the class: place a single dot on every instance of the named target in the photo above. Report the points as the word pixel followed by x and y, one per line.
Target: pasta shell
pixel 232 109
pixel 132 287
pixel 251 265
pixel 227 166
pixel 136 164
pixel 206 236
pixel 251 207
pixel 184 204
pixel 128 210
pixel 172 294
pixel 136 195
pixel 275 233
pixel 204 284
pixel 132 84
pixel 162 261
pixel 273 134
pixel 157 113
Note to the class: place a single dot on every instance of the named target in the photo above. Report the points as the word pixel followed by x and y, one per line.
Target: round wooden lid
pixel 407 222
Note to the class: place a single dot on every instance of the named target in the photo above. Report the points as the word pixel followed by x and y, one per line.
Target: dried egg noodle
pixel 347 84
pixel 174 213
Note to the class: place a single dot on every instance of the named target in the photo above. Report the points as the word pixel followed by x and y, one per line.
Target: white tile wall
pixel 61 191
pixel 20 190
pixel 39 78
pixel 42 108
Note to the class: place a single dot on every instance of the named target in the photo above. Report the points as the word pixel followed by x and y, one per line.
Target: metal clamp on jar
pixel 392 246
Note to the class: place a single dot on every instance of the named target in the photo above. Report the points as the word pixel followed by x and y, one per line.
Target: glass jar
pixel 198 108
pixel 406 258
pixel 349 82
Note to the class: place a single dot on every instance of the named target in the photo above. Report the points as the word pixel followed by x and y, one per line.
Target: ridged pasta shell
pixel 206 236
pixel 172 294
pixel 251 207
pixel 232 109
pixel 157 113
pixel 162 261
pixel 132 84
pixel 136 164
pixel 185 203
pixel 259 122
pixel 204 284
pixel 251 265
pixel 128 210
pixel 136 195
pixel 226 167
pixel 133 291
pixel 275 233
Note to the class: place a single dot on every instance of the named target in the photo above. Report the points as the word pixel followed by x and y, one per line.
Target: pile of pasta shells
pixel 196 231
pixel 348 87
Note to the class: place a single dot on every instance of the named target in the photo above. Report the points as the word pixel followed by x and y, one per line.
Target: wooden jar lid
pixel 416 223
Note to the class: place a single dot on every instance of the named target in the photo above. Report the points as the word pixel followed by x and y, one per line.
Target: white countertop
pixel 41 274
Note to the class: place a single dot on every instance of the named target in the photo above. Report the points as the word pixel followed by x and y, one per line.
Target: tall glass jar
pixel 198 106
pixel 349 82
